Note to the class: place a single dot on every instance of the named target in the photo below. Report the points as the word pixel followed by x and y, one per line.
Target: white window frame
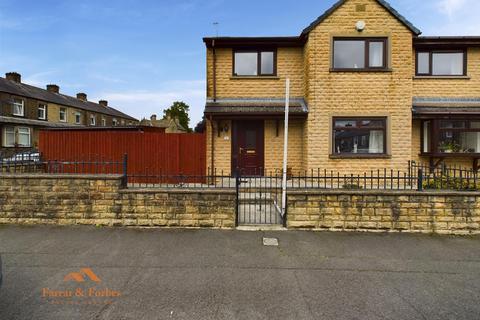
pixel 114 122
pixel 43 107
pixel 104 122
pixel 60 115
pixel 20 105
pixel 78 115
pixel 5 136
pixel 16 134
pixel 93 120
pixel 29 136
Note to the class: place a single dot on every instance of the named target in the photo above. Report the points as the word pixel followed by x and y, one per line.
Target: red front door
pixel 248 147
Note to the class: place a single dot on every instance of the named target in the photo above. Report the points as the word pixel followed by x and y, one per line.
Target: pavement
pixel 104 273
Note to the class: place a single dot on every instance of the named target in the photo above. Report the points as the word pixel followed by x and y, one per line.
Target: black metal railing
pixel 445 177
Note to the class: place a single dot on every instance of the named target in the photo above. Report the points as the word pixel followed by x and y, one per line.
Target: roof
pixel 231 42
pixel 446 106
pixel 32 122
pixel 28 91
pixel 436 102
pixel 470 41
pixel 162 123
pixel 255 107
pixel 383 3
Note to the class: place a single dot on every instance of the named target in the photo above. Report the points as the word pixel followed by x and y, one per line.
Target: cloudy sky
pixel 142 55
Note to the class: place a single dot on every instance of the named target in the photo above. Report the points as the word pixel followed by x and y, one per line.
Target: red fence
pixel 148 152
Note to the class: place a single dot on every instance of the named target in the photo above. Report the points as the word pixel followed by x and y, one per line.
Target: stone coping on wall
pixel 60 176
pixel 178 190
pixel 385 192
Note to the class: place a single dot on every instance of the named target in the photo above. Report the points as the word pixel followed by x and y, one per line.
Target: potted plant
pixel 449 147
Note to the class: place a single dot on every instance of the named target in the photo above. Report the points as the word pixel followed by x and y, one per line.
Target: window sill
pixel 451 155
pixel 360 156
pixel 254 78
pixel 361 70
pixel 443 77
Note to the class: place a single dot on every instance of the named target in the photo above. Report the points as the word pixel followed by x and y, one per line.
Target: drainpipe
pixel 212 147
pixel 214 72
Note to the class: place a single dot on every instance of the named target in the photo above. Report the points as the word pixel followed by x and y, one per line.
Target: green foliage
pixel 179 111
pixel 352 183
pixel 449 183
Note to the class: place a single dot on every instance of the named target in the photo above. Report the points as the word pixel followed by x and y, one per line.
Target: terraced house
pixel 367 91
pixel 25 109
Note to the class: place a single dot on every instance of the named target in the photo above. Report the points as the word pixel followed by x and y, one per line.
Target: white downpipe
pixel 285 148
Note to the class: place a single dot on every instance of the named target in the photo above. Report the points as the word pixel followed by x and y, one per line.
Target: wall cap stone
pixel 385 192
pixel 180 191
pixel 61 176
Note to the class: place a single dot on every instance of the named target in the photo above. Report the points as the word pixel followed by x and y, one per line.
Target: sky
pixel 141 55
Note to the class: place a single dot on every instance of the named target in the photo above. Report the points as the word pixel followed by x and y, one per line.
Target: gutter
pixel 214 71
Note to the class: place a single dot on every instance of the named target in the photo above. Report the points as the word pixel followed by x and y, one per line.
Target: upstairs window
pixel 63 114
pixel 92 120
pixel 114 122
pixel 42 111
pixel 104 122
pixel 254 63
pixel 359 53
pixel 441 63
pixel 18 107
pixel 78 118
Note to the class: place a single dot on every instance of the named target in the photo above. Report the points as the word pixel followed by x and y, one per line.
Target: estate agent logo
pixel 80 289
pixel 80 276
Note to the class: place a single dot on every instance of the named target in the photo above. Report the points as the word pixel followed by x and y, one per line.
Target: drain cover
pixel 270 242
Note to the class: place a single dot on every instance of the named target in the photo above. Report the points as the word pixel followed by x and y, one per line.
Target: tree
pixel 179 111
pixel 200 127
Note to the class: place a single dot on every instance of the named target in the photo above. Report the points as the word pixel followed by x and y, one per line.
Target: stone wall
pixel 435 212
pixel 99 200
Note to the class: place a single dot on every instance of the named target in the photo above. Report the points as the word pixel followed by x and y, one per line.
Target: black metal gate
pixel 259 200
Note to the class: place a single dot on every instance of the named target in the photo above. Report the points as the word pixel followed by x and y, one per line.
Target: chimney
pixel 103 103
pixel 153 117
pixel 53 88
pixel 13 76
pixel 82 96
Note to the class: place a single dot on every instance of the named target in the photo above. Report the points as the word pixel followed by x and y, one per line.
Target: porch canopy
pixel 446 108
pixel 254 108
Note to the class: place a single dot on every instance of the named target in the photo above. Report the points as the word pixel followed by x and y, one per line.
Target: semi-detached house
pixel 367 92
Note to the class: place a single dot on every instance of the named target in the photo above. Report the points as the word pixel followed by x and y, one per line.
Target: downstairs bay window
pixel 359 136
pixel 444 137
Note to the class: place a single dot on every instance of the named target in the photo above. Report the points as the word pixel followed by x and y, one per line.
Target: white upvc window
pixel 9 136
pixel 20 136
pixel 42 111
pixel 92 120
pixel 18 107
pixel 104 122
pixel 63 115
pixel 78 118
pixel 114 122
pixel 23 136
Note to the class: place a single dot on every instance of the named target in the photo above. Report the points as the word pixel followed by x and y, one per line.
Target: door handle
pixel 240 150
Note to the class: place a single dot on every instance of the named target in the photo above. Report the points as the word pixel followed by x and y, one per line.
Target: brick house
pixel 367 92
pixel 26 109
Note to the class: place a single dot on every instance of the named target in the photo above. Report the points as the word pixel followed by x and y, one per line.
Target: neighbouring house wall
pixel 274 145
pixel 451 87
pixel 359 93
pixel 98 200
pixel 222 147
pixel 289 64
pixel 435 212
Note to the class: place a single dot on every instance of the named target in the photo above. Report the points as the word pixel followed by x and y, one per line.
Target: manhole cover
pixel 270 242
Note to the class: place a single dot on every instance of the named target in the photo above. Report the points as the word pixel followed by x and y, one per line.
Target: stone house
pixel 170 125
pixel 367 92
pixel 26 109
